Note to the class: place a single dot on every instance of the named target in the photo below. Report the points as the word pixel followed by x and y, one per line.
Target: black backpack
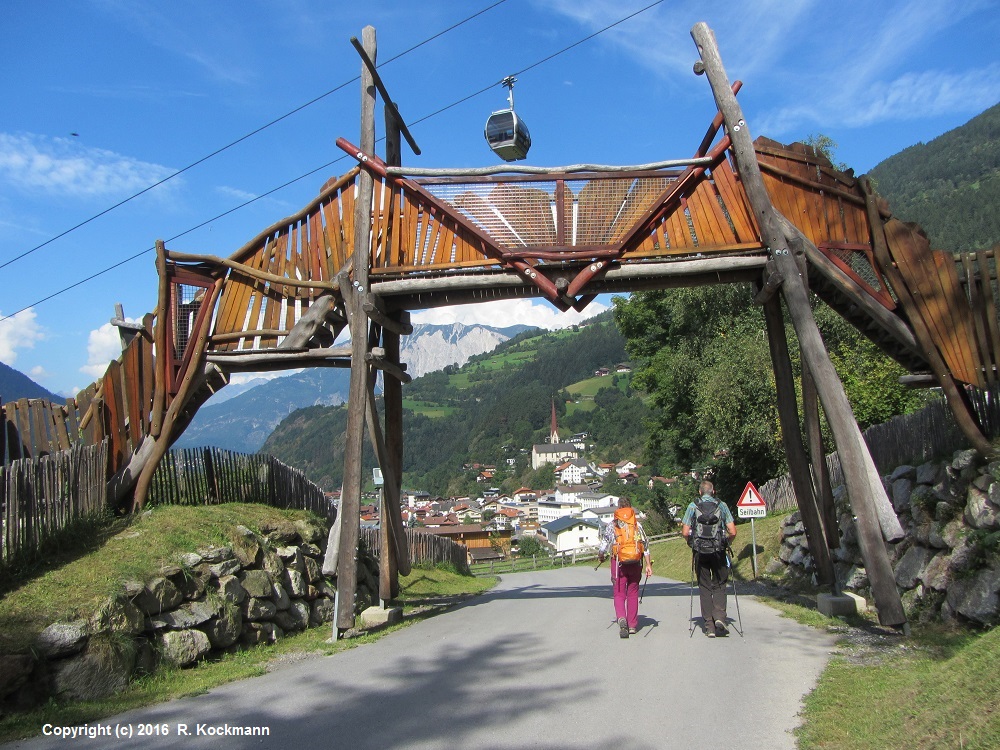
pixel 708 534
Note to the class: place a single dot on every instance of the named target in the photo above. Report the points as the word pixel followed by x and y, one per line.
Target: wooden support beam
pixel 311 321
pixel 350 496
pixel 379 362
pixel 770 284
pixel 392 399
pixel 375 309
pixel 859 469
pixel 791 436
pixel 390 485
pixel 817 457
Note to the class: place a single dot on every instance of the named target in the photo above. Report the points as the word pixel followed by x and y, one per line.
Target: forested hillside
pixel 950 186
pixel 496 406
pixel 15 385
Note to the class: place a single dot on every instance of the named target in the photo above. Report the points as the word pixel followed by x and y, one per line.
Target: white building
pixel 572 533
pixel 589 500
pixel 550 510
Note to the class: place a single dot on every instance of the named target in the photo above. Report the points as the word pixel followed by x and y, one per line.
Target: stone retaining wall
pixel 948 565
pixel 213 601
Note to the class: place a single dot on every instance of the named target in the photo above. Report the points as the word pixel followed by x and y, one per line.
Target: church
pixel 553 452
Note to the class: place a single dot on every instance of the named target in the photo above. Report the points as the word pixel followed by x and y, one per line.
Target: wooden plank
pixel 333 235
pixel 59 429
pixel 132 388
pixel 959 314
pixel 978 316
pixel 907 249
pixel 989 306
pixel 148 366
pixel 744 226
pixel 115 415
pixel 252 298
pixel 23 414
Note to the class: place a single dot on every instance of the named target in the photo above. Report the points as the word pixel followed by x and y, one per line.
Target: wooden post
pixel 817 457
pixel 392 389
pixel 855 458
pixel 350 496
pixel 798 465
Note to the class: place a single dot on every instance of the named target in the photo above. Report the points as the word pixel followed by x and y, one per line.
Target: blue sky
pixel 104 98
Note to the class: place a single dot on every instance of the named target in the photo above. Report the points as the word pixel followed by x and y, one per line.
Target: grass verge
pixel 64 587
pixel 934 689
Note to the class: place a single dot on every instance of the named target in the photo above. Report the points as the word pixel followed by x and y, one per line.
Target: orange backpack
pixel 628 546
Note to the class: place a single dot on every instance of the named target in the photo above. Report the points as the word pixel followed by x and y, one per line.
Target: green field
pixel 428 408
pixel 583 392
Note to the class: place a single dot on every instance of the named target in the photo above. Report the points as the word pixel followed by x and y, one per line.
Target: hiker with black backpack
pixel 629 550
pixel 709 529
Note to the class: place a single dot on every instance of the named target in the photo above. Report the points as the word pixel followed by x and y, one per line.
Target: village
pixel 564 520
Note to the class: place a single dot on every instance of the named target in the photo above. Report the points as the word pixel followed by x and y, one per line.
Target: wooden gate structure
pixel 779 217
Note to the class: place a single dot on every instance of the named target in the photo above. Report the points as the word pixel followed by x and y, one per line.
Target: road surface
pixel 534 663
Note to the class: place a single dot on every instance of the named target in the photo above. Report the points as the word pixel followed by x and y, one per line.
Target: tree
pixel 529 546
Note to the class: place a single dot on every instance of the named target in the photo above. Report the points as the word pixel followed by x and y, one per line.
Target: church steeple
pixel 554 436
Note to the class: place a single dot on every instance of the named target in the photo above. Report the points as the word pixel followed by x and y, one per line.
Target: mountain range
pixel 15 385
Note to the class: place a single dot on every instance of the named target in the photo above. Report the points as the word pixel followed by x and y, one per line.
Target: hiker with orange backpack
pixel 629 550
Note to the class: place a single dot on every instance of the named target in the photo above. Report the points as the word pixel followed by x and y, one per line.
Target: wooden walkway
pixel 438 241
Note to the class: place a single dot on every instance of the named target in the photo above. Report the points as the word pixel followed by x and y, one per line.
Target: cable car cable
pixel 239 140
pixel 328 164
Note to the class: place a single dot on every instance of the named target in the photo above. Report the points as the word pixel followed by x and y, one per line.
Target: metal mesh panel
pixel 518 214
pixel 859 262
pixel 187 302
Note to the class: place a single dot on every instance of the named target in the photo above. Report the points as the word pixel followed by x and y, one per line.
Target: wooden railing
pixel 42 496
pixel 208 476
pixel 552 559
pixel 424 548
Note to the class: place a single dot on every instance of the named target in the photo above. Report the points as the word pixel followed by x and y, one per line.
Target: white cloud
pixel 38 373
pixel 19 331
pixel 103 345
pixel 240 195
pixel 505 313
pixel 39 164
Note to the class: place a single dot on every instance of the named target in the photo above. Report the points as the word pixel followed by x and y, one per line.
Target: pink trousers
pixel 625 580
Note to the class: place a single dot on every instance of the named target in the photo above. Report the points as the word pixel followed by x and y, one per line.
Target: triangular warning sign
pixel 751 498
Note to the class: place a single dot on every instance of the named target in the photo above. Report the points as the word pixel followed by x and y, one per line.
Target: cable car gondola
pixel 506 133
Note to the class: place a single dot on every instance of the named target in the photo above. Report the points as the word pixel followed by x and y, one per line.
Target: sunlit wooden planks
pixel 938 298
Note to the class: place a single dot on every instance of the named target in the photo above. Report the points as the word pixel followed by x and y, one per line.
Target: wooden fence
pixel 424 548
pixel 207 476
pixel 907 438
pixel 42 496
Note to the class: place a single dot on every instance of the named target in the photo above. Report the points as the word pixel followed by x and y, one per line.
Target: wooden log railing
pixel 45 495
pixel 425 548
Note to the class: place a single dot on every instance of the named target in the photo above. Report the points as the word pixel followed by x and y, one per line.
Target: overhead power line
pixel 312 171
pixel 239 140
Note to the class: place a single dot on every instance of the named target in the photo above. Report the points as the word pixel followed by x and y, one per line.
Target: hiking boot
pixel 622 627
pixel 631 631
pixel 708 629
pixel 720 629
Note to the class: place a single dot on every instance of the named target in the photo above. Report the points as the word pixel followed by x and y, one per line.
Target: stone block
pixel 832 605
pixel 376 616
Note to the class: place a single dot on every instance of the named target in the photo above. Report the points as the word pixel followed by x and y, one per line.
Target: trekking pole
pixel 643 592
pixel 732 576
pixel 599 564
pixel 691 608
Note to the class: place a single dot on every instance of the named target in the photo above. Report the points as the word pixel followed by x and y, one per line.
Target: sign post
pixel 751 505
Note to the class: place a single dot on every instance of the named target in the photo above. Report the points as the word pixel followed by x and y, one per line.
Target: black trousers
pixel 713 575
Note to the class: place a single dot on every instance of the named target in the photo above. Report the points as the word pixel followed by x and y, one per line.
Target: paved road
pixel 527 665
